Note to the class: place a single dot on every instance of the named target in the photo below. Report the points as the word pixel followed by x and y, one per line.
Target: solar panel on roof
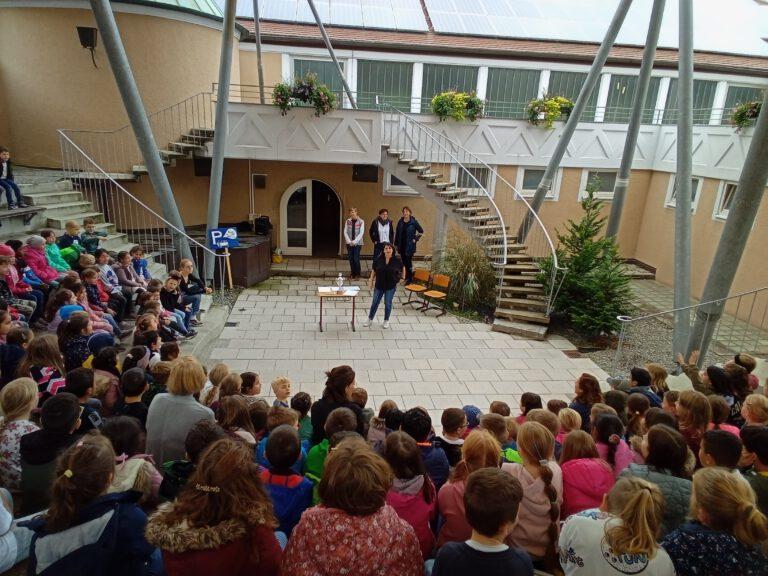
pixel 376 17
pixel 410 19
pixel 347 14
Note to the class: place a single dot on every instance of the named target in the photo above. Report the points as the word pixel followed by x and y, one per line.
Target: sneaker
pixel 11 207
pixel 385 325
pixel 367 322
pixel 191 334
pixel 23 205
pixel 195 322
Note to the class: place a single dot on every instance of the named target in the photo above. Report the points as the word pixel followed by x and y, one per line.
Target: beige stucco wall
pixel 249 70
pixel 50 81
pixel 191 194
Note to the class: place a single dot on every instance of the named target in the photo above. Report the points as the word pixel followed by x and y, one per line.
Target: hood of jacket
pixel 181 537
pixel 590 476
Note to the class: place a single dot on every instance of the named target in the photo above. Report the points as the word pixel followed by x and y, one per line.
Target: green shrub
pixel 285 96
pixel 595 288
pixel 473 279
pixel 457 105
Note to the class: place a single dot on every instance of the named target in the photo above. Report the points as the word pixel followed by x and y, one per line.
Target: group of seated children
pixel 157 467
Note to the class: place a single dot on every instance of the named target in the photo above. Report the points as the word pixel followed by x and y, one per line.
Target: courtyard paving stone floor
pixel 421 360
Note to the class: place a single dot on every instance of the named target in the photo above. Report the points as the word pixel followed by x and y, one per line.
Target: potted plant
pixel 457 105
pixel 548 109
pixel 285 96
pixel 743 115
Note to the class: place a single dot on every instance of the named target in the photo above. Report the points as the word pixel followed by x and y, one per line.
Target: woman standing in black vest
pixel 407 234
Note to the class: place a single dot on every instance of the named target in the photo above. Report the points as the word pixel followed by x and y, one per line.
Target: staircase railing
pixel 132 216
pixel 742 327
pixel 426 145
pixel 117 152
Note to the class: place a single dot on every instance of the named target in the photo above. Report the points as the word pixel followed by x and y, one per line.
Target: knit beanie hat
pixel 473 416
pixel 6 250
pixel 100 340
pixel 60 412
pixel 67 311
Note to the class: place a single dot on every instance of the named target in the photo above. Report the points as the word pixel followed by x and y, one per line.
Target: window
pixel 509 91
pixel 440 78
pixel 605 180
pixel 391 81
pixel 739 95
pixel 621 96
pixel 725 195
pixel 326 74
pixel 528 180
pixel 396 187
pixel 703 98
pixel 671 200
pixel 474 179
pixel 569 84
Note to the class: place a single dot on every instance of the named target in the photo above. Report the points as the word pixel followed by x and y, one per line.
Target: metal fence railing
pixel 742 328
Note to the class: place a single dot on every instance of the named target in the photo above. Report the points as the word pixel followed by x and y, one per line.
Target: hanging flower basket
pixel 548 109
pixel 304 90
pixel 457 105
pixel 744 114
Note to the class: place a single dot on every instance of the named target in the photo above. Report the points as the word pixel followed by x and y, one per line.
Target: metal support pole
pixel 259 61
pixel 137 115
pixel 590 83
pixel 440 235
pixel 682 282
pixel 221 128
pixel 328 45
pixel 638 105
pixel 738 226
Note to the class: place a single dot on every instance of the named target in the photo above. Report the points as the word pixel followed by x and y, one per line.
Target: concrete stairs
pixel 521 303
pixel 186 147
pixel 61 202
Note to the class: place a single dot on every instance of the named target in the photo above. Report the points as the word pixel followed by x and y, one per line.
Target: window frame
pixel 720 213
pixel 585 179
pixel 476 191
pixel 671 202
pixel 396 189
pixel 554 192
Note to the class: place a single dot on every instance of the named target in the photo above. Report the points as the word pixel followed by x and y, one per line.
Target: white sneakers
pixel 368 322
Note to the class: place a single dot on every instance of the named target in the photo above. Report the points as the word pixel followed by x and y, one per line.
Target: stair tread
pixel 520 278
pixel 187 145
pixel 533 331
pixel 418 167
pixel 480 218
pixel 522 302
pixel 522 267
pixel 527 315
pixel 171 153
pixel 523 289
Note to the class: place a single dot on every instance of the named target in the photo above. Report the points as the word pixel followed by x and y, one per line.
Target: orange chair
pixel 418 285
pixel 438 292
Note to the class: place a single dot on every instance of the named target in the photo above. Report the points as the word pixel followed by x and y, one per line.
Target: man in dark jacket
pixel 381 231
pixel 6 181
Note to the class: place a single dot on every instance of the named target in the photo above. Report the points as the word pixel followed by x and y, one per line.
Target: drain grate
pixel 231 324
pixel 573 354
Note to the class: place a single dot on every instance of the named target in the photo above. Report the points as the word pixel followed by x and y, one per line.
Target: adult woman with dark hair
pixel 353 531
pixel 407 233
pixel 386 272
pixel 587 390
pixel 665 453
pixel 222 522
pixel 339 384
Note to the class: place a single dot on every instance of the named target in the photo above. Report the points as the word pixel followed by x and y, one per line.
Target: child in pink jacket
pixel 36 259
pixel 586 477
pixel 412 495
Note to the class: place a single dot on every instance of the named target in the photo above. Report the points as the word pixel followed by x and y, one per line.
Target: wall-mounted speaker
pixel 259 181
pixel 365 173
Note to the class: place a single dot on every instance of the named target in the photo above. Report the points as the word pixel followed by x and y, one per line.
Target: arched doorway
pixel 310 217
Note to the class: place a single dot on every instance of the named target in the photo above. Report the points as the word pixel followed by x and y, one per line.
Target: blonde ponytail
pixel 640 506
pixel 730 505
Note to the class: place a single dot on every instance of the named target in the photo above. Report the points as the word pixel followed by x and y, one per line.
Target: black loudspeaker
pixel 262 226
pixel 365 173
pixel 202 166
pixel 259 181
pixel 88 37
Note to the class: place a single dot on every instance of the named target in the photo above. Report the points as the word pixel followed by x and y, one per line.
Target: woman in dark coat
pixel 407 233
pixel 337 394
pixel 386 272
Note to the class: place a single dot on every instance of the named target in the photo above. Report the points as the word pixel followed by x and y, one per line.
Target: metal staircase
pixel 456 181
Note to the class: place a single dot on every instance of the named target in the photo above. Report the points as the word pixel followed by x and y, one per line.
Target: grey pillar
pixel 570 126
pixel 129 92
pixel 738 226
pixel 440 235
pixel 220 135
pixel 682 282
pixel 331 51
pixel 638 105
pixel 259 62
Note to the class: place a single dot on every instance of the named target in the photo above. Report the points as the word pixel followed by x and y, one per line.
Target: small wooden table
pixel 349 292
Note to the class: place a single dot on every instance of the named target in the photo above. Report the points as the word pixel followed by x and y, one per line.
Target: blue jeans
pixel 354 259
pixel 11 188
pixel 377 296
pixel 193 299
pixel 39 298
